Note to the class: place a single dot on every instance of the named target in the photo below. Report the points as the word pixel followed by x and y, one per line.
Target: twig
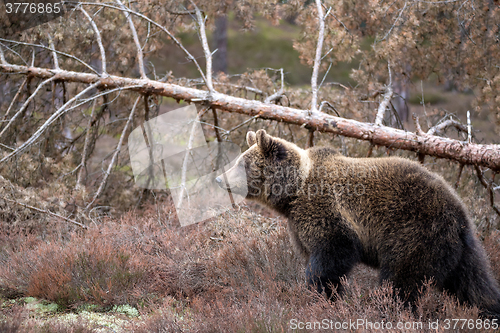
pixel 387 99
pixel 461 23
pixel 423 104
pixel 277 95
pixel 370 150
pixel 99 40
pixel 206 49
pixel 188 152
pixel 83 163
pixel 140 58
pixel 16 53
pixel 149 138
pixel 396 21
pixel 113 159
pixel 2 56
pixel 226 133
pixel 459 175
pixel 250 89
pixel 25 105
pixel 14 100
pixel 324 76
pixel 175 40
pixel 444 125
pixel 54 54
pixel 45 212
pixel 47 123
pixel 418 129
pixel 172 37
pixel 310 139
pixel 216 125
pixel 331 107
pixel 317 58
pixel 184 12
pixel 396 115
pixel 52 50
pixel 469 128
pixel 488 186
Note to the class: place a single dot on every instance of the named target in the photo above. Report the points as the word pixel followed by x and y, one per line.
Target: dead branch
pixel 45 211
pixel 423 105
pixel 317 58
pixel 250 89
pixel 98 38
pixel 387 99
pixel 467 153
pixel 182 12
pixel 418 129
pixel 54 54
pixel 488 186
pixel 310 139
pixel 25 105
pixel 441 127
pixel 469 128
pixel 51 50
pixel 206 49
pixel 47 123
pixel 172 37
pixel 186 159
pixel 14 100
pixel 113 159
pixel 83 163
pixel 277 95
pixel 216 125
pixel 226 133
pixel 330 105
pixel 2 56
pixel 459 175
pixel 140 58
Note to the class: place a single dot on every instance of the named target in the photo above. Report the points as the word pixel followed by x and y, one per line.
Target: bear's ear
pixel 251 138
pixel 269 145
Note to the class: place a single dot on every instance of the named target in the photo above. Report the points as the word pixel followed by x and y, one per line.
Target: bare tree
pixel 36 64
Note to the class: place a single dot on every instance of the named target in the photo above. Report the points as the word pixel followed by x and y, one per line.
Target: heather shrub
pixel 235 273
pixel 84 268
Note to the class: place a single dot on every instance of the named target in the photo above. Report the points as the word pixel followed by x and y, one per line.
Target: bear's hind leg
pixel 406 287
pixel 472 280
pixel 326 268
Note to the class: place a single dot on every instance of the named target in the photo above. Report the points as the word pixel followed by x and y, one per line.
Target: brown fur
pixel 389 213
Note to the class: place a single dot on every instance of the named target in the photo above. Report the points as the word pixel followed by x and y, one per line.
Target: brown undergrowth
pixel 236 273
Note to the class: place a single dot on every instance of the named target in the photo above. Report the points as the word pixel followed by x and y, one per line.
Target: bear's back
pixel 381 197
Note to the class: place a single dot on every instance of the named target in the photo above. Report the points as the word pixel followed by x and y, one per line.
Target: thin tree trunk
pixel 220 35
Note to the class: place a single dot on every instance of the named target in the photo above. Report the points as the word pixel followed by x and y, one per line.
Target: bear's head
pixel 272 170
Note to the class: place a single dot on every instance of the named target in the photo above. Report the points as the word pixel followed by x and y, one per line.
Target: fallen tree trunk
pixel 462 152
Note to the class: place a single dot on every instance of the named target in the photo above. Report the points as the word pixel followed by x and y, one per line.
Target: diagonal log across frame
pixel 462 152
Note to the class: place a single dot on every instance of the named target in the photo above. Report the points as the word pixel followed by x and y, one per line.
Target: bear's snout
pixel 221 182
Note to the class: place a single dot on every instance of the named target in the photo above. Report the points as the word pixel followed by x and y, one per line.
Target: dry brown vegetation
pixel 235 273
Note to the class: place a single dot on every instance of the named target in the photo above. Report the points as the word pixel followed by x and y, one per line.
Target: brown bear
pixel 390 213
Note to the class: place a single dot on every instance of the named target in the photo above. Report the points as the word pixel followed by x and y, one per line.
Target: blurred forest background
pixel 82 249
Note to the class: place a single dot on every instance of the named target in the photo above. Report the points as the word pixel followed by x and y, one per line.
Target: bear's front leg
pixel 327 266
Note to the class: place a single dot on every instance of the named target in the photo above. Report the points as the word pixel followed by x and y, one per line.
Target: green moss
pixel 88 307
pixel 40 306
pixel 126 309
pixel 29 300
